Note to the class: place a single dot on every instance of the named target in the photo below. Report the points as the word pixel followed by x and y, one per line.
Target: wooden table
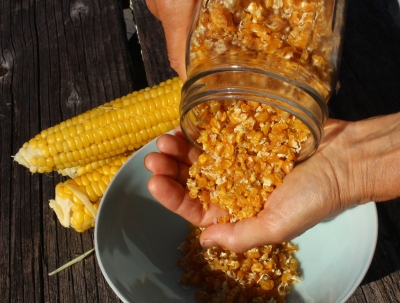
pixel 60 58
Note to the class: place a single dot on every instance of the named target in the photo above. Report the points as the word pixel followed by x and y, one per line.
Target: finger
pixel 287 213
pixel 175 197
pixel 161 164
pixel 178 148
pixel 176 27
pixel 152 6
pixel 179 133
pixel 240 236
pixel 266 228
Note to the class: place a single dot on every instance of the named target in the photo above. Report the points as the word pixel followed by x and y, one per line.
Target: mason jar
pixel 284 53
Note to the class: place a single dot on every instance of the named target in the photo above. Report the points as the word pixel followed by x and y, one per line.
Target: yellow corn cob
pixel 114 128
pixel 88 168
pixel 77 200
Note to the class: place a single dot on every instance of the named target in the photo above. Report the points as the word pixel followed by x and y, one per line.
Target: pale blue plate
pixel 136 242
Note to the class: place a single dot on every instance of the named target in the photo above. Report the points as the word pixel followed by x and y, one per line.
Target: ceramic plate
pixel 136 242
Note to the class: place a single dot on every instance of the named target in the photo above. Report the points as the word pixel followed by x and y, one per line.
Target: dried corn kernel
pixel 258 275
pixel 290 36
pixel 255 147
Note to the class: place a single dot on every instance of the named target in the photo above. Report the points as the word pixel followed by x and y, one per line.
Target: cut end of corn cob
pixel 62 208
pixel 25 154
pixel 77 200
pixel 117 127
pixel 91 147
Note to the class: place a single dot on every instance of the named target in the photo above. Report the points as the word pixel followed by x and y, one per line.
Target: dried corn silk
pixel 249 147
pixel 262 274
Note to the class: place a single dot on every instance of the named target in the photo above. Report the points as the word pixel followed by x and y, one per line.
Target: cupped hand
pixel 308 194
pixel 170 170
pixel 342 173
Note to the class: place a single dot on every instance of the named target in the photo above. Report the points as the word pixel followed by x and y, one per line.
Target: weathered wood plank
pixel 58 59
pixel 371 51
pixel 154 49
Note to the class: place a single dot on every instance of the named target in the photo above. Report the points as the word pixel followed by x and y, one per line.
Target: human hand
pixel 353 165
pixel 175 16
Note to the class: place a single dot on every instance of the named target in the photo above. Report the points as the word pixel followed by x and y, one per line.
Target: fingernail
pixel 209 244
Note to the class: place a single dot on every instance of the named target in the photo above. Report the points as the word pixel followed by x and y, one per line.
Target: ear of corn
pixel 77 200
pixel 115 128
pixel 91 147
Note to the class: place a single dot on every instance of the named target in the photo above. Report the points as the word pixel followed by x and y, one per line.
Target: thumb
pixel 176 17
pixel 287 213
pixel 241 236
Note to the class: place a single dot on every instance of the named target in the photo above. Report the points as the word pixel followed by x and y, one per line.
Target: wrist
pixel 372 153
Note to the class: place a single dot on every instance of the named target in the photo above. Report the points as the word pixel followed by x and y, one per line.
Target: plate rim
pixel 371 255
pixel 120 295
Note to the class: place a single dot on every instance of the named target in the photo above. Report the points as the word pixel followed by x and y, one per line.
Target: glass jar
pixel 284 53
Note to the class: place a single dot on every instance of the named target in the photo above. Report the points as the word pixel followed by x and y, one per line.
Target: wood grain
pixel 60 58
pixel 154 49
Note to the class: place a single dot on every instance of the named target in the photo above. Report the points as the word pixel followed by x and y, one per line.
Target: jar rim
pixel 197 89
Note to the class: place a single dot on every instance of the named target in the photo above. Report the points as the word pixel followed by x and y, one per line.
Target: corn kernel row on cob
pixel 92 166
pixel 77 200
pixel 117 127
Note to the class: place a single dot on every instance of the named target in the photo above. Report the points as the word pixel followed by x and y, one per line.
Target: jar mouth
pixel 252 84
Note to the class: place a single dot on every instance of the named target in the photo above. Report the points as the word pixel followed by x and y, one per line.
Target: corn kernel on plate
pixel 137 240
